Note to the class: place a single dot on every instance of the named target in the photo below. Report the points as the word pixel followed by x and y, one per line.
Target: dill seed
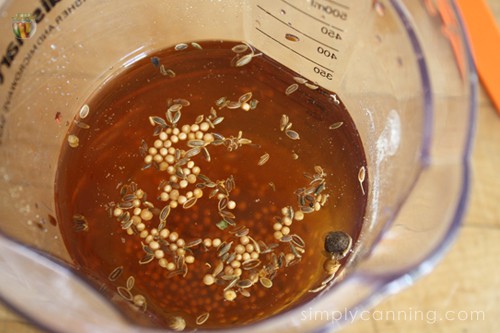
pixel 263 159
pixel 82 125
pixel 233 105
pixel 298 241
pixel 311 86
pixel 181 101
pixel 244 284
pixel 206 154
pixel 265 282
pixel 319 170
pixel 165 212
pixel 361 178
pixel 240 48
pixel 336 125
pixel 218 269
pixel 181 46
pixel 84 111
pixel 284 120
pixel 292 134
pixel 157 121
pixel 125 293
pixel 196 46
pixel 116 273
pixel 219 120
pixel 190 203
pixel 199 119
pixel 245 97
pixel 300 80
pixel 245 293
pixel 225 249
pixel 250 264
pixel 130 282
pixel 291 88
pixel 194 243
pixel 174 107
pixel 147 259
pixel 191 153
pixel 244 60
pixel 201 319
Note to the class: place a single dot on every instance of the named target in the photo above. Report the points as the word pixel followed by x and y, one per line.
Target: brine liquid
pixel 267 165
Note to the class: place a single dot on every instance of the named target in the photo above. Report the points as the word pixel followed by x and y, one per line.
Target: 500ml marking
pixel 328 9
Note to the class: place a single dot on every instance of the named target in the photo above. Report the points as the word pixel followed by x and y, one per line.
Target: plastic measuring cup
pixel 404 73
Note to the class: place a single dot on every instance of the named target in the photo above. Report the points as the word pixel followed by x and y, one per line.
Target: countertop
pixel 463 293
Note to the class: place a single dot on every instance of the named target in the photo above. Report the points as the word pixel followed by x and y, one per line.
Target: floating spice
pixel 336 125
pixel 201 319
pixel 338 244
pixel 181 46
pixel 73 141
pixel 299 80
pixel 84 111
pixel 361 178
pixel 244 60
pixel 155 61
pixel 291 89
pixel 80 223
pixel 177 323
pixel 292 134
pixel 125 293
pixel 240 48
pixel 188 157
pixel 196 46
pixel 116 273
pixel 263 159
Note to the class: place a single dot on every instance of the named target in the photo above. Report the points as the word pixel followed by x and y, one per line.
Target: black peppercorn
pixel 338 244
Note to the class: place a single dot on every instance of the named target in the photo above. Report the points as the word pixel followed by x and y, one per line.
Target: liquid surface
pixel 258 180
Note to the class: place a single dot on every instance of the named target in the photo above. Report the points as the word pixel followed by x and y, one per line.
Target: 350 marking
pixel 321 72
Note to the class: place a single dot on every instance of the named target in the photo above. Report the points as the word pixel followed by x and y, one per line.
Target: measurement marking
pixel 314 18
pixel 297 53
pixel 289 26
pixel 338 4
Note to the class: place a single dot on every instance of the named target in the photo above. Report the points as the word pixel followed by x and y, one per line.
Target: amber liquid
pixel 90 177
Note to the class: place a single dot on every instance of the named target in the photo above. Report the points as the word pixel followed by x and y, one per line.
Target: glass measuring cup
pixel 401 78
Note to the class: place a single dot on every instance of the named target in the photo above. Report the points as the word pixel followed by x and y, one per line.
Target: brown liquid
pixel 91 176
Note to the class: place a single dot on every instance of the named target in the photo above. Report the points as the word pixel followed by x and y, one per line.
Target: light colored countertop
pixel 463 293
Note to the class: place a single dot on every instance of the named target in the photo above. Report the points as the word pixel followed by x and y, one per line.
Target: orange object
pixel 484 36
